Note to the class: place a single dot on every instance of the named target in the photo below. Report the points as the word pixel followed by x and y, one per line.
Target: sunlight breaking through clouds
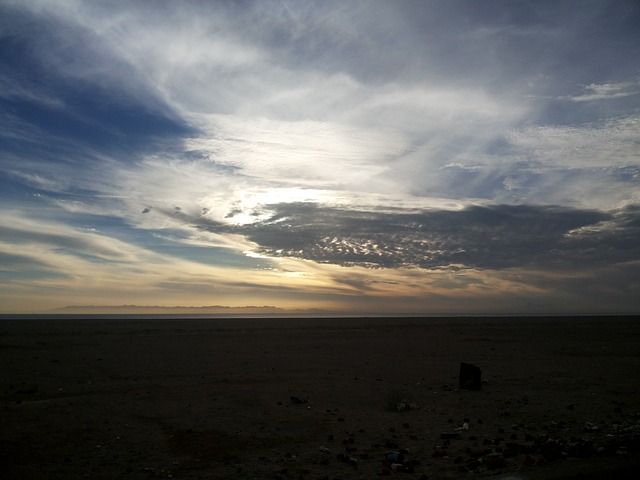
pixel 344 155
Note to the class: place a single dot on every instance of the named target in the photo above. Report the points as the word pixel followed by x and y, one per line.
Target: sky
pixel 365 156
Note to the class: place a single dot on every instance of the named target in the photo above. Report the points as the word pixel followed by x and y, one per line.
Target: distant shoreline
pixel 315 319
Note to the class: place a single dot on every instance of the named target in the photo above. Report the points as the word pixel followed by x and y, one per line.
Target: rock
pixel 590 427
pixel 475 463
pixel 495 461
pixel 510 450
pixel 407 467
pixel 394 457
pixel 347 459
pixel 581 448
pixel 552 451
pixel 439 453
pixel 470 377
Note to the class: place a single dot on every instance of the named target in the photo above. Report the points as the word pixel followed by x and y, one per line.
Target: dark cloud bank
pixel 484 237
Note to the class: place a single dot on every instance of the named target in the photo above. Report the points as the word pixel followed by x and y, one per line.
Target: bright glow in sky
pixel 366 156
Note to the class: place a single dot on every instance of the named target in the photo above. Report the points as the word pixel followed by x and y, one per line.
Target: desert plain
pixel 332 398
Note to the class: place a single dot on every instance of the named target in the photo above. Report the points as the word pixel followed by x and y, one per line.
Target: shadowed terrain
pixel 319 398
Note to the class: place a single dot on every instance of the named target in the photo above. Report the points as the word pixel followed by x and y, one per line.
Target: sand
pixel 319 398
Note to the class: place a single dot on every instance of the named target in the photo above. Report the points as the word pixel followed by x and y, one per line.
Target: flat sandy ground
pixel 319 399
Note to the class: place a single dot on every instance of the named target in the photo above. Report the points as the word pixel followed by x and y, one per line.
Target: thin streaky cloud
pixel 346 155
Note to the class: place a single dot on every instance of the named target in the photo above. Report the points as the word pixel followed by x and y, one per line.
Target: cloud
pixel 63 239
pixel 606 91
pixel 610 241
pixel 69 102
pixel 16 262
pixel 81 266
pixel 336 150
pixel 603 144
pixel 479 237
pixel 592 165
pixel 300 98
pixel 305 153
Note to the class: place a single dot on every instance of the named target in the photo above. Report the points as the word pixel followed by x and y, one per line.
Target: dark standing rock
pixel 470 376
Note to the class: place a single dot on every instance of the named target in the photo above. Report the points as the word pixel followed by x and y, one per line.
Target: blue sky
pixel 413 156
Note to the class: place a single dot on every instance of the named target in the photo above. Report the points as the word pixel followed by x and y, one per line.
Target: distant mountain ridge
pixel 158 309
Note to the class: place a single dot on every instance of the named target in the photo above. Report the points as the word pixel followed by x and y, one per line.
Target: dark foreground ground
pixel 319 399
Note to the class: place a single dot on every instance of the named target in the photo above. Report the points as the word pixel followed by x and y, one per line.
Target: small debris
pixel 463 427
pixel 347 459
pixel 475 463
pixel 590 427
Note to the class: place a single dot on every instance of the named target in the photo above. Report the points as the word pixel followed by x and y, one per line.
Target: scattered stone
pixel 407 467
pixel 298 401
pixel 394 457
pixel 475 463
pixel 347 459
pixel 580 448
pixel 590 427
pixel 463 427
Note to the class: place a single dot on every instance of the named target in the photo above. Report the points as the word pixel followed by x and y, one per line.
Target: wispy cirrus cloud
pixel 320 151
pixel 605 91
